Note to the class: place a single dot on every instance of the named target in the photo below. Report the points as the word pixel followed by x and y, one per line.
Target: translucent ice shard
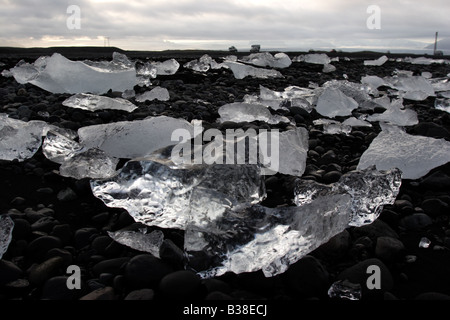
pixel 157 93
pixel 93 102
pixel 58 74
pixel 292 96
pixel 266 59
pixel 424 243
pixel 378 62
pixel 327 68
pixel 411 87
pixel 240 71
pixel 442 104
pixel 244 112
pixel 343 289
pixel 6 229
pixel 155 194
pixel 58 147
pixel 369 189
pixel 315 58
pixel 415 156
pixel 440 84
pixel 132 139
pixel 140 240
pixel 396 115
pixel 333 102
pixel 167 67
pixel 353 122
pixel 203 64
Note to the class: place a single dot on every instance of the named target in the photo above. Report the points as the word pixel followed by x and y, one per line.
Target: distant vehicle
pixel 255 48
pixel 232 49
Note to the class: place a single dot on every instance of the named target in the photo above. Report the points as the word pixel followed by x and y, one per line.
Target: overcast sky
pixel 211 24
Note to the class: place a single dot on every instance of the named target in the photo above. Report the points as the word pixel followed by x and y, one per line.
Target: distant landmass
pixel 443 44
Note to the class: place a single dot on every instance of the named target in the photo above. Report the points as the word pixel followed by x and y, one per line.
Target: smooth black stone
pixel 430 129
pixel 56 288
pixel 44 271
pixel 8 272
pixel 331 177
pixel 435 207
pixel 38 248
pixel 83 237
pixel 142 294
pixel 145 271
pixel 416 222
pixel 63 232
pixel 21 229
pixel 181 285
pixel 113 266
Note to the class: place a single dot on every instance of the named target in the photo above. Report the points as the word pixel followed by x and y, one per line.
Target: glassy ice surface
pixel 140 240
pixel 424 60
pixel 197 66
pixel 369 189
pixel 167 67
pixel 93 102
pixel 6 229
pixel 58 74
pixel 157 93
pixel 292 96
pixel 328 68
pixel 415 156
pixel 128 94
pixel 132 139
pixel 343 289
pixel 315 58
pixel 58 147
pixel 396 115
pixel 245 112
pixel 442 104
pixel 354 122
pixel 411 87
pixel 20 140
pixel 293 151
pixel 157 195
pixel 440 84
pixel 240 71
pixel 378 62
pixel 373 81
pixel 266 59
pixel 91 163
pixel 119 62
pixel 424 243
pixel 333 102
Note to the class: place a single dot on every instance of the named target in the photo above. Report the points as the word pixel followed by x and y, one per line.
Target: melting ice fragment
pixel 333 102
pixel 157 195
pixel 157 93
pixel 315 58
pixel 292 96
pixel 132 139
pixel 442 104
pixel 411 87
pixel 266 59
pixel 415 156
pixel 93 102
pixel 140 240
pixel 396 115
pixel 203 64
pixel 167 67
pixel 58 147
pixel 378 62
pixel 245 112
pixel 6 229
pixel 240 71
pixel 58 74
pixel 344 289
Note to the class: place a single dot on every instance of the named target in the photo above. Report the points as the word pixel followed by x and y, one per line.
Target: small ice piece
pixel 139 240
pixel 91 163
pixel 415 156
pixel 333 102
pixel 378 62
pixel 353 122
pixel 266 59
pixel 292 96
pixel 396 115
pixel 440 84
pixel 369 189
pixel 424 60
pixel 206 59
pixel 7 74
pixel 197 66
pixel 315 58
pixel 424 243
pixel 244 112
pixel 327 68
pixel 157 93
pixel 58 147
pixel 240 71
pixel 93 102
pixel 167 67
pixel 20 140
pixel 357 91
pixel 6 229
pixel 426 75
pixel 344 289
pixel 128 94
pixel 157 195
pixel 333 126
pixel 132 139
pixel 58 74
pixel 442 104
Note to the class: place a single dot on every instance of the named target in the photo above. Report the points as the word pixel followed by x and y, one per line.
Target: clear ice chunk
pixel 157 195
pixel 58 74
pixel 415 88
pixel 93 102
pixel 292 96
pixel 167 67
pixel 378 62
pixel 128 94
pixel 333 102
pixel 245 112
pixel 315 58
pixel 415 156
pixel 396 115
pixel 327 68
pixel 442 104
pixel 266 59
pixel 140 240
pixel 354 122
pixel 157 93
pixel 132 139
pixel 424 243
pixel 240 71
pixel 6 229
pixel 58 147
pixel 440 84
pixel 344 289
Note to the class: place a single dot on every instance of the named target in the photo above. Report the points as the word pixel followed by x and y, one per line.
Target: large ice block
pixel 58 74
pixel 333 102
pixel 315 58
pixel 6 229
pixel 415 156
pixel 93 102
pixel 415 88
pixel 240 71
pixel 266 59
pixel 131 139
pixel 245 112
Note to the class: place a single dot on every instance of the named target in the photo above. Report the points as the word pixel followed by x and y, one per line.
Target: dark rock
pixel 56 288
pixel 217 295
pixel 434 207
pixel 307 278
pixel 216 285
pixel 100 243
pixel 432 296
pixel 64 254
pixel 106 278
pixel 45 224
pixel 171 253
pixel 106 293
pixel 67 195
pixel 17 287
pixel 63 232
pixel 332 176
pixel 84 236
pixel 44 271
pixel 143 271
pixel 21 229
pixel 8 272
pixel 388 249
pixel 336 247
pixel 181 285
pixel 38 248
pixel 112 266
pixel 142 294
pixel 430 129
pixel 416 222
pixel 376 229
pixel 436 181
pixel 18 201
